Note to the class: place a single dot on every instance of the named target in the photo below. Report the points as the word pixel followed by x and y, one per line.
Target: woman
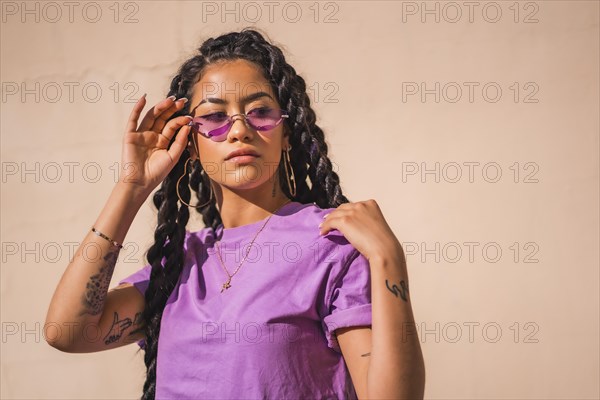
pixel 290 291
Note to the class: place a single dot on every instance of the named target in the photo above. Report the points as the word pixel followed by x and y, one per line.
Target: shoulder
pixel 305 221
pixel 309 213
pixel 198 238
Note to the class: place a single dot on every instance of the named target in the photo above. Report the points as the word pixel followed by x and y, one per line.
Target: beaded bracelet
pixel 106 237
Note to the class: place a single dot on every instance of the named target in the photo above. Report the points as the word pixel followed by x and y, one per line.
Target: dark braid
pixel 308 155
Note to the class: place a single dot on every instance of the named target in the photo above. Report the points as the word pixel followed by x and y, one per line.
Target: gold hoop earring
pixel 177 187
pixel 287 161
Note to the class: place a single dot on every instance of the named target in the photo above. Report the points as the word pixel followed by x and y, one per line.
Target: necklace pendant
pixel 226 285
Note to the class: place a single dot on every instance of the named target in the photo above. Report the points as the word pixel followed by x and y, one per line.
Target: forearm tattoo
pixel 401 291
pixel 97 287
pixel 365 355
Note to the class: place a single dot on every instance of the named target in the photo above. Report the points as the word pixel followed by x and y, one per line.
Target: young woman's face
pixel 224 88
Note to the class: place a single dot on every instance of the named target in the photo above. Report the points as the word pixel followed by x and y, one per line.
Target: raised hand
pixel 364 226
pixel 146 157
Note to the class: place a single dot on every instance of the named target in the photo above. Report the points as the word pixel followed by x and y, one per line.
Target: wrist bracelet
pixel 102 235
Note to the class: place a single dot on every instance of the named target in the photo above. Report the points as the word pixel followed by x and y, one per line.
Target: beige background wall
pixel 503 268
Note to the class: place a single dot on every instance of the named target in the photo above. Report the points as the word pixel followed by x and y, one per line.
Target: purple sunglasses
pixel 216 125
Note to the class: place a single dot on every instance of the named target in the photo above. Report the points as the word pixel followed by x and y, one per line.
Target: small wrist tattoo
pixel 401 291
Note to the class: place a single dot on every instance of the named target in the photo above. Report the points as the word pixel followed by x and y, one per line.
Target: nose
pixel 240 131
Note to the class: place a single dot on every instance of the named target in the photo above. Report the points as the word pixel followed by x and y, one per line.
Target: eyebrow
pixel 243 100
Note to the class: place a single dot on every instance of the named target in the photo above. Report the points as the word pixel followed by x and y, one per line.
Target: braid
pixel 168 250
pixel 210 215
pixel 308 155
pixel 310 139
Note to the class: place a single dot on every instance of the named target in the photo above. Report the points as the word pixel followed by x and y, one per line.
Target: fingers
pixel 332 220
pixel 161 120
pixel 155 112
pixel 181 140
pixel 135 114
pixel 172 126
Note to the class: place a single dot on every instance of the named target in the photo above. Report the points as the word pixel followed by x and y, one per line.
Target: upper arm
pixel 355 343
pixel 121 316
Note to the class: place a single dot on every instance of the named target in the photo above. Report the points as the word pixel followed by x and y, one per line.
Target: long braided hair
pixel 308 156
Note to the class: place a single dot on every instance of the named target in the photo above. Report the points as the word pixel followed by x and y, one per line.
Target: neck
pixel 243 207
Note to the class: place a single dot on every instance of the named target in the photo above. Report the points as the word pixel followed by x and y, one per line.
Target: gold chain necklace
pixel 227 284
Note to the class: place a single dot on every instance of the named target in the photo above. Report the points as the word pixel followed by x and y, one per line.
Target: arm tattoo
pixel 402 290
pixel 119 326
pixel 365 355
pixel 97 287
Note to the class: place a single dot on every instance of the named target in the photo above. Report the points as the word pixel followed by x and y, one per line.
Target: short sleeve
pixel 140 279
pixel 350 299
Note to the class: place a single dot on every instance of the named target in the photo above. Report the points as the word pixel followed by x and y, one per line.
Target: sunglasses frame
pixel 229 124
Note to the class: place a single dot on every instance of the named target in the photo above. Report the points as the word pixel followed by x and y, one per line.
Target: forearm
pixel 396 369
pixel 81 292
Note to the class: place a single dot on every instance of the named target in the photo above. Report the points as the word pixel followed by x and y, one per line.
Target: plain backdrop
pixel 473 124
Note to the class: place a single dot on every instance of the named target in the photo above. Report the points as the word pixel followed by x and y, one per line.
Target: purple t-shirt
pixel 271 334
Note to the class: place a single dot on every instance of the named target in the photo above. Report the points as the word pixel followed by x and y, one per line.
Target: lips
pixel 242 152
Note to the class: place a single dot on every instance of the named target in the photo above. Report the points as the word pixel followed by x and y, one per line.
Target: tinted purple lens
pixel 211 125
pixel 264 119
pixel 215 126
